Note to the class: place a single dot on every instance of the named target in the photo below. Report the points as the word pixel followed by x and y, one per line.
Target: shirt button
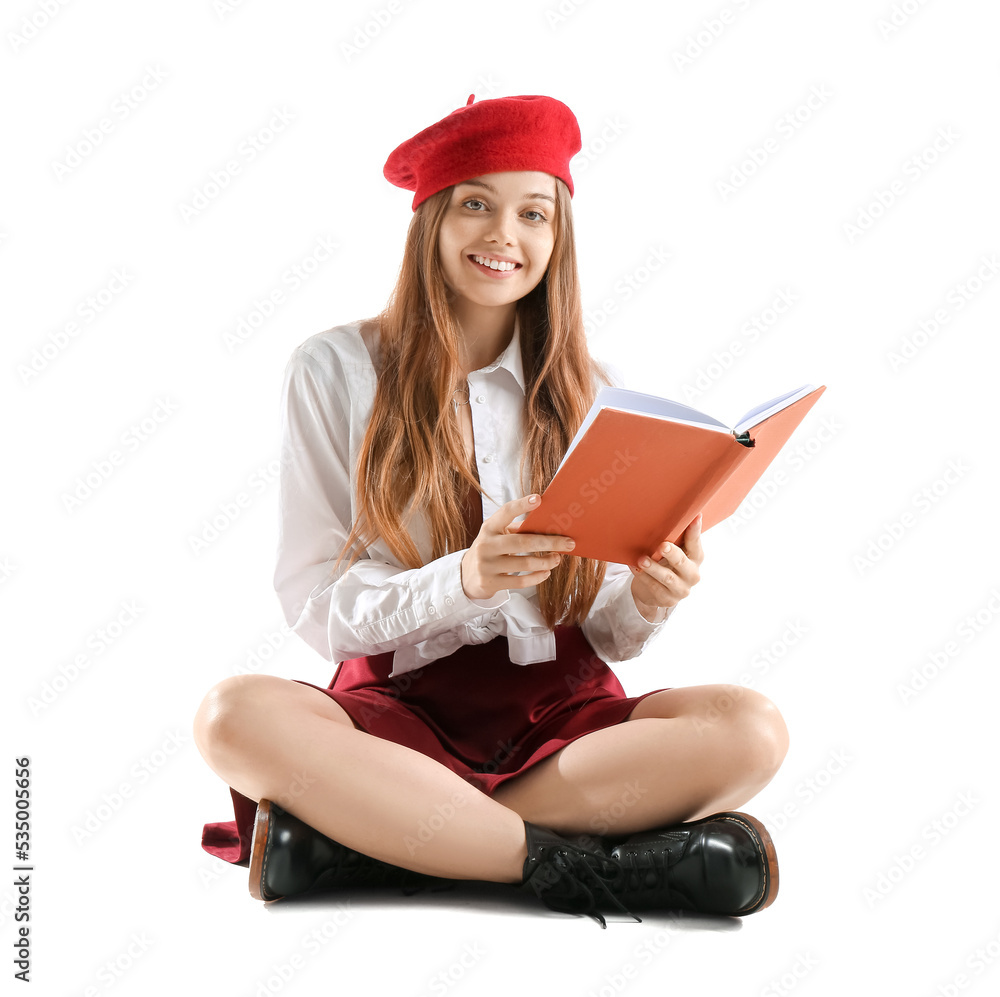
pixel 431 610
pixel 448 601
pixel 488 459
pixel 481 399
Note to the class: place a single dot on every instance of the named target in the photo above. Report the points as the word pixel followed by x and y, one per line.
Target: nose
pixel 501 227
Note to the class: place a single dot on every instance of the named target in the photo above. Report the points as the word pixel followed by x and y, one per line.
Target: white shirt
pixel 378 604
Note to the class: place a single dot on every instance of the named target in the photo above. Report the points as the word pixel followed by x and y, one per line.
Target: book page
pixel 757 415
pixel 636 401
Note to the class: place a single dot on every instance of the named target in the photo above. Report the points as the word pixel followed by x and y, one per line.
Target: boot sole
pixel 765 848
pixel 258 851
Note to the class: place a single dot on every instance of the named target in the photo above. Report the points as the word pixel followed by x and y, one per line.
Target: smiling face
pixel 493 221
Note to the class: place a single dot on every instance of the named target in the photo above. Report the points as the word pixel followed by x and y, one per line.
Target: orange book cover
pixel 641 468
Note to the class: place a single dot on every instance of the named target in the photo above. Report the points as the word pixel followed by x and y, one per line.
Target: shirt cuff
pixel 442 597
pixel 617 630
pixel 633 620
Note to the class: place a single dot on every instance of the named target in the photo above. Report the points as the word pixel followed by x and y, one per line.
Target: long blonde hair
pixel 413 449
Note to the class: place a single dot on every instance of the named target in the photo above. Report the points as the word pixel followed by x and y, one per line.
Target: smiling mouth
pixel 487 263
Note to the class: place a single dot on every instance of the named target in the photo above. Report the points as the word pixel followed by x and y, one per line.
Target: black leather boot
pixel 572 875
pixel 287 857
pixel 722 864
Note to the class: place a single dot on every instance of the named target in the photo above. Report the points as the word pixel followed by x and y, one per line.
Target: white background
pixel 869 548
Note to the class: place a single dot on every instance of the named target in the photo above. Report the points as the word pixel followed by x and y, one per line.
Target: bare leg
pixel 271 738
pixel 681 755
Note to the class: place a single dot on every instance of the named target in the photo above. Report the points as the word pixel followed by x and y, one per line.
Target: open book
pixel 641 468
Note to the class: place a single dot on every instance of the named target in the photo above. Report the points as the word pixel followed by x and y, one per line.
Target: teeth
pixel 494 264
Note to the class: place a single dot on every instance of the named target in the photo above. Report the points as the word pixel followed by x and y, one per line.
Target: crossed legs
pixel 271 738
pixel 682 754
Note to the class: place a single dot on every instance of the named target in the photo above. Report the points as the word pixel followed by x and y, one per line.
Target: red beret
pixel 506 133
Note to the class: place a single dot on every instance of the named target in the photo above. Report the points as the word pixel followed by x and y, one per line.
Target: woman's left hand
pixel 658 585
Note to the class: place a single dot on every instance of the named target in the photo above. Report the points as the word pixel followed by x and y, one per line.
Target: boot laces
pixel 643 870
pixel 572 879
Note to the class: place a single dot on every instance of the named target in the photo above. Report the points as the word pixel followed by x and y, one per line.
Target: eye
pixel 482 207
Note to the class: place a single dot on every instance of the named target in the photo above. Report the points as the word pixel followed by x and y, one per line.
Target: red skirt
pixel 474 711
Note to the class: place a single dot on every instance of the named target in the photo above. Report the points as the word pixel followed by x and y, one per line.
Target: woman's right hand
pixel 489 565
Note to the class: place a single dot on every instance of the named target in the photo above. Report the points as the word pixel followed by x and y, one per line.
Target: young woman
pixel 473 729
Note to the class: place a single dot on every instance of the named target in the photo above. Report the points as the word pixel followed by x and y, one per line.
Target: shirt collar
pixel 510 358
